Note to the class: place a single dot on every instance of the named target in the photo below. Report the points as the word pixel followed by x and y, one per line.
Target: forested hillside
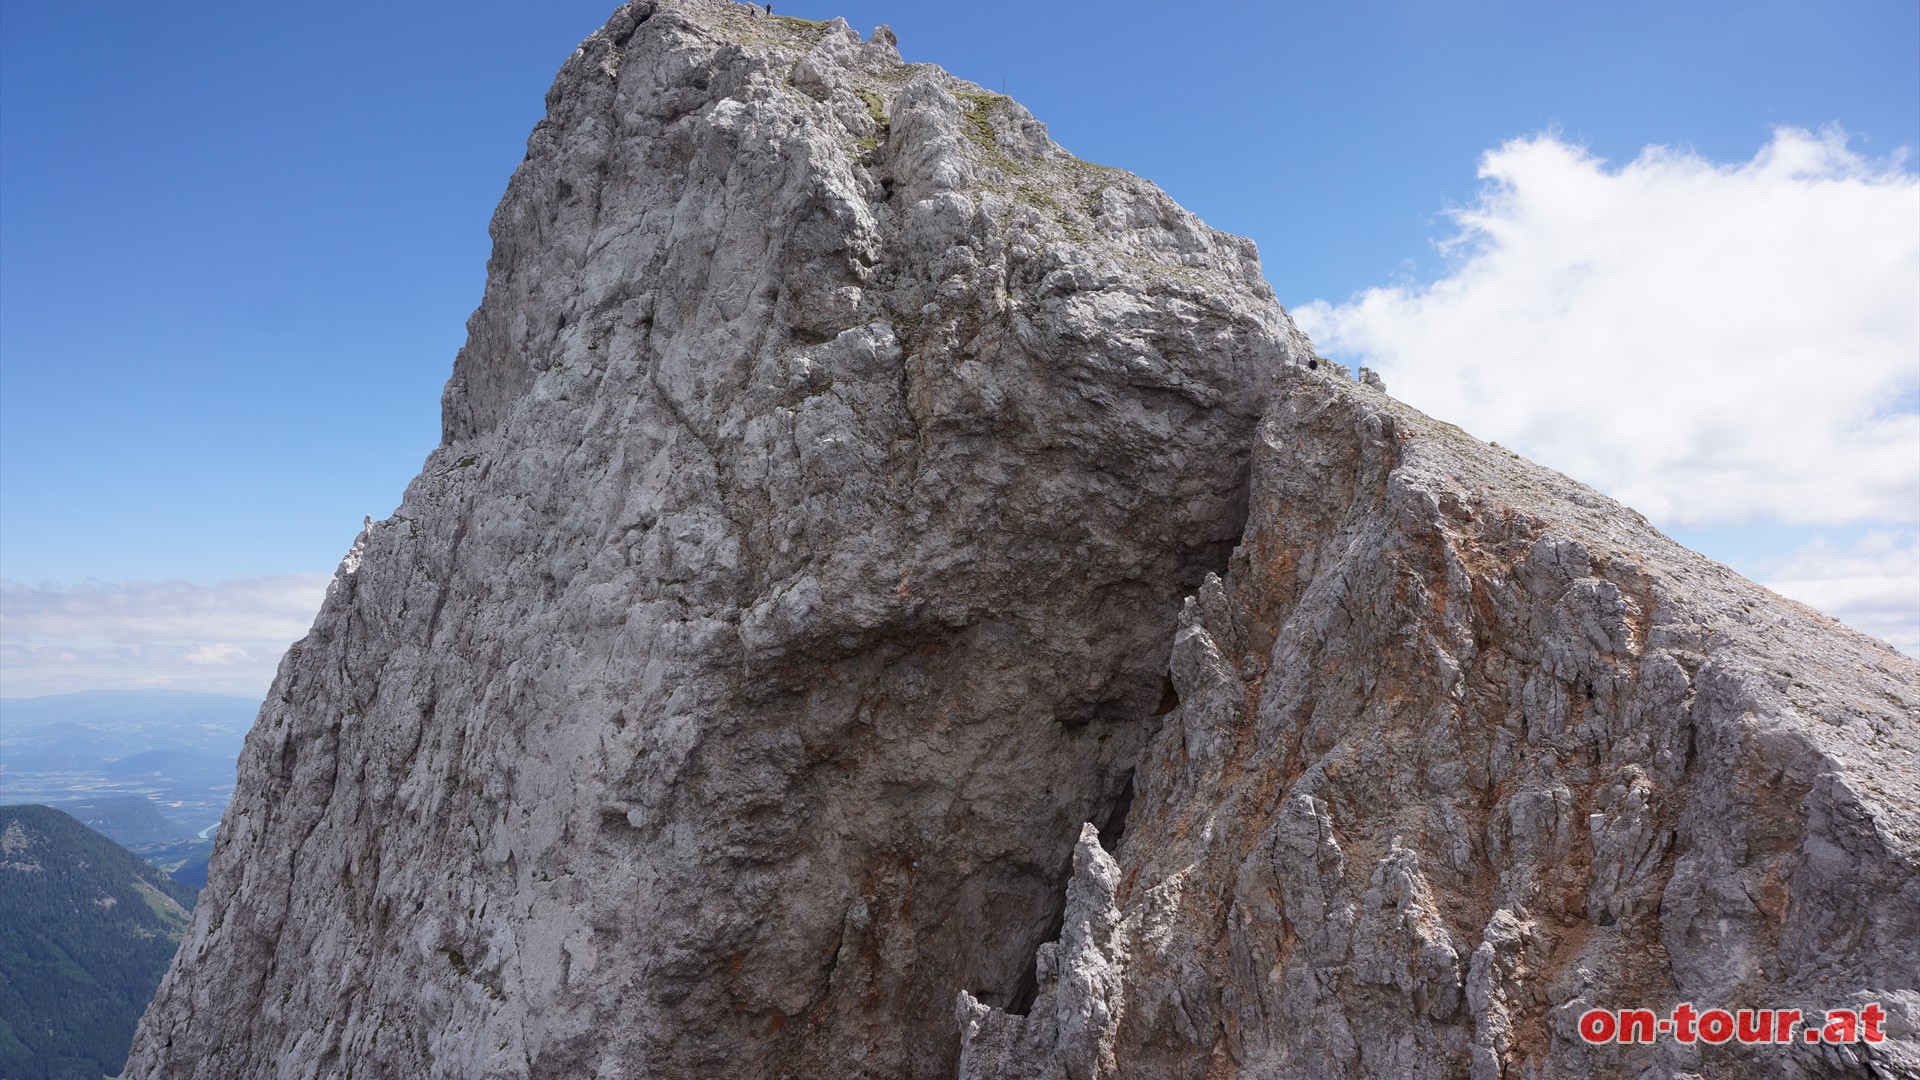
pixel 86 930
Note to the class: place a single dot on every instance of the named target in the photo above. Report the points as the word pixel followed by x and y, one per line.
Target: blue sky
pixel 239 242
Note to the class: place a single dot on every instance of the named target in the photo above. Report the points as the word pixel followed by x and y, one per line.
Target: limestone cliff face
pixel 1463 750
pixel 822 476
pixel 869 544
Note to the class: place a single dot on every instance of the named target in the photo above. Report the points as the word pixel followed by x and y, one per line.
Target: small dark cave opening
pixel 1169 701
pixel 1029 988
pixel 1111 823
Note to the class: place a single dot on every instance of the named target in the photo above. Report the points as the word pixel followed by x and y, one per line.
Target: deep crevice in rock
pixel 645 12
pixel 1113 823
pixel 1169 701
pixel 1028 988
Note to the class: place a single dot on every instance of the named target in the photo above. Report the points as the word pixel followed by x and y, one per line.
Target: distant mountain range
pixel 86 931
pixel 150 769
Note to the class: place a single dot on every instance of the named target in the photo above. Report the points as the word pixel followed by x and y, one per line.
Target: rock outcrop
pixel 869 544
pixel 1464 750
pixel 822 477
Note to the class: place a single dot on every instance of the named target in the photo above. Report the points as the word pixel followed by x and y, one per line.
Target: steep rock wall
pixel 789 635
pixel 1463 750
pixel 821 477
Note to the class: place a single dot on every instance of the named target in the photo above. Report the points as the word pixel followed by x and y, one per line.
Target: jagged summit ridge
pixel 1465 749
pixel 882 158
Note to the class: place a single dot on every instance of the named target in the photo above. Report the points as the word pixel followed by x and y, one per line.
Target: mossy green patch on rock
pixel 877 112
pixel 979 113
pixel 751 26
pixel 876 105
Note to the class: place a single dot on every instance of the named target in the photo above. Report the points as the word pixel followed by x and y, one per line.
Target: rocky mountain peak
pixel 878 561
pixel 810 184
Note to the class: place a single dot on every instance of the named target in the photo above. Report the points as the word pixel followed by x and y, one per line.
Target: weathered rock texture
pixel 802 571
pixel 1464 749
pixel 822 476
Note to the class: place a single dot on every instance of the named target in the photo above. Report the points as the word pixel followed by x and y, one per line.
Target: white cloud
pixel 215 654
pixel 1711 344
pixel 277 608
pixel 1872 586
pixel 224 638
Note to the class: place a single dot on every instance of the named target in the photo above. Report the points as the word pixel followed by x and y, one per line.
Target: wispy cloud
pixel 1872 585
pixel 225 637
pixel 1712 344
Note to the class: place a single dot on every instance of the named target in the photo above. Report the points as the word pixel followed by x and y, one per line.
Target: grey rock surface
pixel 1464 749
pixel 822 475
pixel 894 599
